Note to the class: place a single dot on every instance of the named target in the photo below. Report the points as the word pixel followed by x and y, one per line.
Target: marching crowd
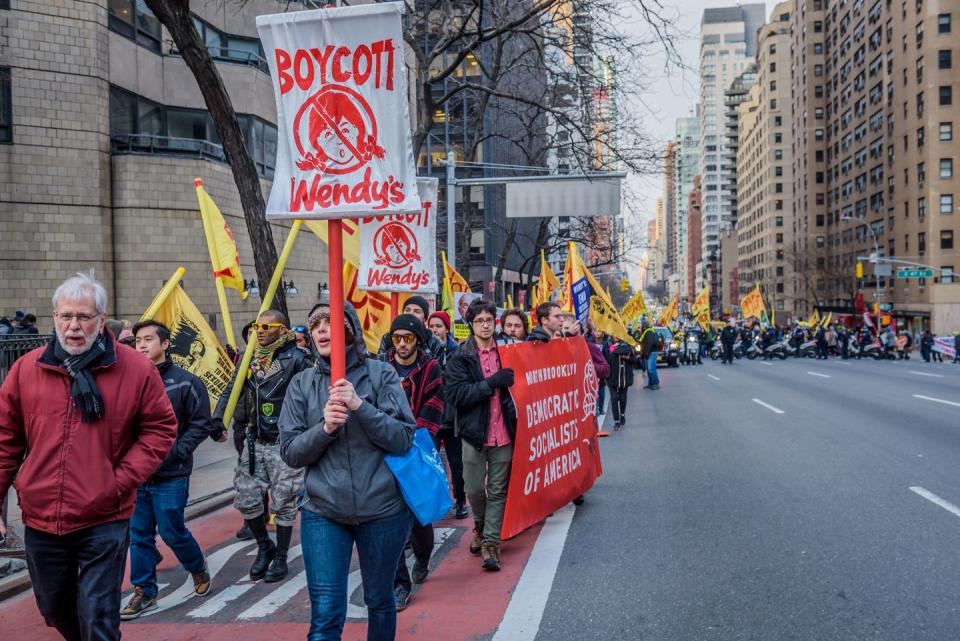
pixel 99 439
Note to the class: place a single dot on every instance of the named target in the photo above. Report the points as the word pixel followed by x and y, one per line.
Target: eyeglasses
pixel 266 326
pixel 483 321
pixel 406 339
pixel 64 317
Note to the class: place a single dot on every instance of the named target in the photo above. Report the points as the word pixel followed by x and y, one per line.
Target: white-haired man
pixel 83 422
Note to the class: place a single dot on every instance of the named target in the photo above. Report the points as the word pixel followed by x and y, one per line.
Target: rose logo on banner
pixel 344 147
pixel 591 386
pixel 395 245
pixel 340 127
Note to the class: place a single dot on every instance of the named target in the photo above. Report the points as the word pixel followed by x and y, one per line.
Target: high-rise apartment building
pixel 764 171
pixel 892 101
pixel 687 166
pixel 727 48
pixel 695 279
pixel 669 200
pixel 808 145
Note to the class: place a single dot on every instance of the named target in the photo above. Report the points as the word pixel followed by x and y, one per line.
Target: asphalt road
pixel 722 518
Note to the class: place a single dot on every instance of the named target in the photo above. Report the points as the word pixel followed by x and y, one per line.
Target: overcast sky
pixel 670 95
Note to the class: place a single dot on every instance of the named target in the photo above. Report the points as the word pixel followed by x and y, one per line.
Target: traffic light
pixel 859 270
pixel 624 285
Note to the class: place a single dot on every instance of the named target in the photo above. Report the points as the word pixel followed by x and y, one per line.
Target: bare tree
pixel 176 17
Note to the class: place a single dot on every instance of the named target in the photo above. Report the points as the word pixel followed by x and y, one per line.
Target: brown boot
pixel 491 556
pixel 475 544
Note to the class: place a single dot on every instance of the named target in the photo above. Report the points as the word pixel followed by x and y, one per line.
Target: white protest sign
pixel 398 252
pixel 343 139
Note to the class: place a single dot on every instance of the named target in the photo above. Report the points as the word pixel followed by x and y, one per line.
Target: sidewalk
pixel 211 487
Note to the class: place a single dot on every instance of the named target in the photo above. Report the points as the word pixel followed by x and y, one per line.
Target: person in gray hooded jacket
pixel 340 432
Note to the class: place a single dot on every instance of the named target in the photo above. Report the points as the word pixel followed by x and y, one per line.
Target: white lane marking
pixel 273 601
pixel 215 563
pixel 766 363
pixel 936 500
pixel 842 363
pixel 926 374
pixel 220 600
pixel 936 400
pixel 818 374
pixel 713 377
pixel 767 405
pixel 521 621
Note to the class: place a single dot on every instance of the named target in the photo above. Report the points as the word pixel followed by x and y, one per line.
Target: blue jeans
pixel 160 509
pixel 652 378
pixel 327 547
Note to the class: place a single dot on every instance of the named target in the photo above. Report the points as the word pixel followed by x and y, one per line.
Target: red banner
pixel 556 456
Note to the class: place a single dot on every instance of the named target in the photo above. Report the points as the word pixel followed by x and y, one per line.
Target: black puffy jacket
pixel 191 404
pixel 262 399
pixel 468 392
pixel 620 357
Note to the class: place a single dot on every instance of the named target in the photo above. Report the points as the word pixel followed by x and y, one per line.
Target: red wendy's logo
pixel 395 246
pixel 335 131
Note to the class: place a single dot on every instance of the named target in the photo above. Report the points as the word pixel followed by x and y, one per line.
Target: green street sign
pixel 886 307
pixel 914 273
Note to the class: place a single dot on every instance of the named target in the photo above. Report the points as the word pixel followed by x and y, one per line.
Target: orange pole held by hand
pixel 394 305
pixel 338 369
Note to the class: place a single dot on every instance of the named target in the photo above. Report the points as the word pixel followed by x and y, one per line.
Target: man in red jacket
pixel 83 422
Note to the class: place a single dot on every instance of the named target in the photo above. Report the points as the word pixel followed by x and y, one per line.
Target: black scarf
pixel 83 388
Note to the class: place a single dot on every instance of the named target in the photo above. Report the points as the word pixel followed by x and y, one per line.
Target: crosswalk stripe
pixel 220 600
pixel 277 598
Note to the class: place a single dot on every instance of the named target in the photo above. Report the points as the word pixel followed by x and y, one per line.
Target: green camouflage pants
pixel 271 475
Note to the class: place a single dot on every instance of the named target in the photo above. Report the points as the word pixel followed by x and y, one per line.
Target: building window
pixel 921 172
pixel 922 243
pixel 946 131
pixel 946 203
pixel 946 274
pixel 946 239
pixel 921 206
pixel 921 137
pixel 943 23
pixel 946 95
pixel 778 154
pixel 946 167
pixel 818 70
pixel 6 107
pixel 247 50
pixel 779 221
pixel 134 20
pixel 944 59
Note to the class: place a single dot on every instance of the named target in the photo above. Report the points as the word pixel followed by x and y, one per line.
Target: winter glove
pixel 503 378
pixel 239 439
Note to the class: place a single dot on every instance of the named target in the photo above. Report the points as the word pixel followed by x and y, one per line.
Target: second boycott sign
pixel 398 252
pixel 556 456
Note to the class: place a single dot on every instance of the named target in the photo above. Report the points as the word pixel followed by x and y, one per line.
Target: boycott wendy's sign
pixel 556 457
pixel 398 252
pixel 343 140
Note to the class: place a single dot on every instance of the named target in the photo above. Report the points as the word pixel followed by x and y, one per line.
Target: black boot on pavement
pixel 244 533
pixel 267 549
pixel 477 541
pixel 278 567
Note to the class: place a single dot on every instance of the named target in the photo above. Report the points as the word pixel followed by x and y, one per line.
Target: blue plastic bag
pixel 422 479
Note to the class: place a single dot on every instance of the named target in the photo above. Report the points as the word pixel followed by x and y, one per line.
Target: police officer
pixel 260 470
pixel 728 336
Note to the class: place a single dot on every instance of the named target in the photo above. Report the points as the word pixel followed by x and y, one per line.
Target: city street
pixel 784 500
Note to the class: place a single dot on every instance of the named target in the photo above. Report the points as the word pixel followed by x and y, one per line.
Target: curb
pixel 20 582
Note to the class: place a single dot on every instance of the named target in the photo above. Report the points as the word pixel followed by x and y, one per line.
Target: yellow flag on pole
pixel 752 305
pixel 702 301
pixel 670 313
pixel 222 246
pixel 547 284
pixel 606 319
pixel 635 308
pixel 453 283
pixel 193 345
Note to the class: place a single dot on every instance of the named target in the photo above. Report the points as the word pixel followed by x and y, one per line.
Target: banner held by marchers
pixel 556 455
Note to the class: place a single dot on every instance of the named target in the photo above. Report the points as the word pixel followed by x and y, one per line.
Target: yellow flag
pixel 752 305
pixel 702 301
pixel 509 301
pixel 193 345
pixel 814 320
pixel 635 308
pixel 703 319
pixel 351 237
pixel 223 247
pixel 453 283
pixel 826 319
pixel 670 313
pixel 547 284
pixel 606 319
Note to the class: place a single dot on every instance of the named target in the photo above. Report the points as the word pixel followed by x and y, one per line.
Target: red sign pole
pixel 394 305
pixel 338 368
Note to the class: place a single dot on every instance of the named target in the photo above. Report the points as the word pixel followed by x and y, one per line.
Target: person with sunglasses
pixel 422 382
pixel 340 432
pixel 478 388
pixel 260 470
